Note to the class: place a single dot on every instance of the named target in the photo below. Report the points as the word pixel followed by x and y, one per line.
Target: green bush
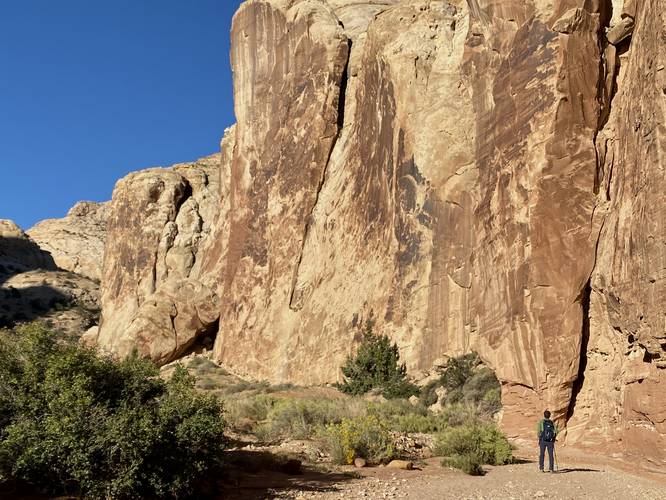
pixel 246 386
pixel 469 463
pixel 244 413
pixel 293 418
pixel 204 365
pixel 376 365
pixel 491 402
pixel 402 416
pixel 207 384
pixel 386 410
pixel 458 370
pixel 414 422
pixel 477 439
pixel 428 396
pixel 460 413
pixel 365 437
pixel 482 382
pixel 272 418
pixel 74 423
pixel 466 381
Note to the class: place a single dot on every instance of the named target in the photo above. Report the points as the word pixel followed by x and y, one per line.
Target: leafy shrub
pixel 365 437
pixel 204 365
pixel 401 416
pixel 278 417
pixel 299 418
pixel 469 463
pixel 415 422
pixel 207 384
pixel 466 381
pixel 376 365
pixel 482 382
pixel 460 413
pixel 386 410
pixel 482 440
pixel 458 370
pixel 74 423
pixel 491 402
pixel 495 447
pixel 428 396
pixel 244 413
pixel 245 386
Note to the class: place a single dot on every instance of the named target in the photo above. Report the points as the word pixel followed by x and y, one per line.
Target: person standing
pixel 546 433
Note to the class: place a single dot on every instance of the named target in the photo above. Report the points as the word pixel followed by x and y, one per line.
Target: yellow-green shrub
pixel 477 439
pixel 415 422
pixel 300 418
pixel 365 437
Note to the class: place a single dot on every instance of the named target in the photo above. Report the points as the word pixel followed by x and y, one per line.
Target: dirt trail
pixel 577 478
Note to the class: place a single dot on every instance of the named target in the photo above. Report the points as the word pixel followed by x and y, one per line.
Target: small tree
pixel 376 365
pixel 75 423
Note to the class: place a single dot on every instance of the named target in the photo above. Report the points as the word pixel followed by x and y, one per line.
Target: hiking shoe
pixel 541 470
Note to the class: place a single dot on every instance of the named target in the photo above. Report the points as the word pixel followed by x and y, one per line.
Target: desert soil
pixel 579 477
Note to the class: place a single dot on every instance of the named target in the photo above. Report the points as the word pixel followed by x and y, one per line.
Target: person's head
pixel 546 414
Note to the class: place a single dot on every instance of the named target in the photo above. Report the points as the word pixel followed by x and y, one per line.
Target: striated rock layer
pixel 620 391
pixel 460 183
pixel 472 175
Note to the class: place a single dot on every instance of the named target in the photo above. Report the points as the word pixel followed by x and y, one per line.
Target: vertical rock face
pixel 289 59
pixel 158 220
pixel 76 242
pixel 537 108
pixel 460 184
pixel 621 389
pixel 473 175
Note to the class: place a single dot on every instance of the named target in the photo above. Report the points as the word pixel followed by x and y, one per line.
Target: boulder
pixel 75 242
pixel 19 253
pixel 400 464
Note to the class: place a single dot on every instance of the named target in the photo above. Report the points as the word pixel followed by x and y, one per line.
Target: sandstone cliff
pixel 620 389
pixel 76 242
pixel 157 225
pixel 474 175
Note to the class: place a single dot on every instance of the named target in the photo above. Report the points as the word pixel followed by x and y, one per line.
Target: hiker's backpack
pixel 548 434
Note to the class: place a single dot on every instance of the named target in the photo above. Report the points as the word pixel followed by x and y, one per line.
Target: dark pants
pixel 543 446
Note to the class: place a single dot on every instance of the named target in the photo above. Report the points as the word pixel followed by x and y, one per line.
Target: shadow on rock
pixel 18 305
pixel 32 287
pixel 21 254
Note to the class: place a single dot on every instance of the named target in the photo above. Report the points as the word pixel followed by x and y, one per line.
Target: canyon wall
pixel 471 175
pixel 620 391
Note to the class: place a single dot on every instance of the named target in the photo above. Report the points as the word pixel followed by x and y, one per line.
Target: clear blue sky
pixel 91 90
